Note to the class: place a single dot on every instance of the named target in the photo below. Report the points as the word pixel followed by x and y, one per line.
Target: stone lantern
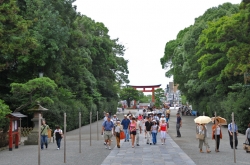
pixel 33 136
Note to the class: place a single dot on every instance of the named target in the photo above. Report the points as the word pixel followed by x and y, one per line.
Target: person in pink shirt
pixel 132 128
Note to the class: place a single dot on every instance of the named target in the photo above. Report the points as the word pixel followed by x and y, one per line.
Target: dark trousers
pixel 231 139
pixel 178 130
pixel 58 142
pixel 217 141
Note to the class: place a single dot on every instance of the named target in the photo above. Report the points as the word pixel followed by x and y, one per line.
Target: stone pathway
pixel 145 154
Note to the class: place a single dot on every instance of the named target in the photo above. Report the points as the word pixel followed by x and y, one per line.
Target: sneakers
pixel 106 146
pixel 137 144
pixel 57 148
pixel 161 143
pixel 109 148
pixel 104 143
pixel 150 143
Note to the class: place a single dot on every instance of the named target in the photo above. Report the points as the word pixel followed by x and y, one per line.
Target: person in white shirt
pixel 138 130
pixel 58 134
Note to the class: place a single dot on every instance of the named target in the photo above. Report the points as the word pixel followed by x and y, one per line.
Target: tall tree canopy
pixel 76 54
pixel 208 59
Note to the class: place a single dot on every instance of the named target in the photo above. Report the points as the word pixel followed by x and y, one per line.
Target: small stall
pixel 13 128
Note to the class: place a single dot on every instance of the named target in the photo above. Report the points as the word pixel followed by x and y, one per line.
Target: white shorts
pixel 163 134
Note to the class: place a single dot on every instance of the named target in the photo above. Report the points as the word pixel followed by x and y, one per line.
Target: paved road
pixel 90 155
pixel 175 151
pixel 169 154
pixel 189 144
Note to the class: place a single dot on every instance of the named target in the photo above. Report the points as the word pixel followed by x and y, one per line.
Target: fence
pixel 25 131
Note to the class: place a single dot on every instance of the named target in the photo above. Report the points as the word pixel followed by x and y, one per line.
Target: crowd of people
pixel 151 122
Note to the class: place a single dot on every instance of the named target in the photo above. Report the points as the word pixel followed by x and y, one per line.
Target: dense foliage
pixel 129 94
pixel 209 60
pixel 83 67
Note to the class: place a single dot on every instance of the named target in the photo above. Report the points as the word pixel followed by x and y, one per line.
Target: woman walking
pixel 118 129
pixel 248 134
pixel 133 128
pixel 154 129
pixel 58 134
pixel 216 134
pixel 163 129
pixel 203 130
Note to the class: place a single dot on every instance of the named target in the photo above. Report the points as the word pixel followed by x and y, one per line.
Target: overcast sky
pixel 144 27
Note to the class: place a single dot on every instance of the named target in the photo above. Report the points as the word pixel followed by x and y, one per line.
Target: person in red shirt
pixel 163 129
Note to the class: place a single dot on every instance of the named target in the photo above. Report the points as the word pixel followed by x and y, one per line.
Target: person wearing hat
pixel 154 129
pixel 163 130
pixel 125 123
pixel 107 128
pixel 118 129
pixel 162 118
pixel 138 130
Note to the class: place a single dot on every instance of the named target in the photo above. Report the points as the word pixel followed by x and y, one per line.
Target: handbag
pixel 200 136
pixel 122 135
pixel 246 145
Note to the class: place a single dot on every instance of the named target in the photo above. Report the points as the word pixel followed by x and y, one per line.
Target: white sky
pixel 144 27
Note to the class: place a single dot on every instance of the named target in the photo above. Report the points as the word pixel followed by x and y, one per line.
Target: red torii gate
pixel 146 90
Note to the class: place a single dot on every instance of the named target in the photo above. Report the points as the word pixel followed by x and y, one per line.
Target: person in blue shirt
pixel 125 123
pixel 107 128
pixel 233 129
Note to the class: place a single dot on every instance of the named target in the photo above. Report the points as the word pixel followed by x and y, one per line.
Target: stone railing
pixel 25 131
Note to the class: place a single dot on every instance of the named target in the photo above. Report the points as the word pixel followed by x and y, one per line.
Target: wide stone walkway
pixel 145 154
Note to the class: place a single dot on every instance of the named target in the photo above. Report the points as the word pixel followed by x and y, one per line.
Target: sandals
pixel 208 151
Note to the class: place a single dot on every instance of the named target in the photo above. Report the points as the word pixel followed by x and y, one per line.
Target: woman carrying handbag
pixel 118 130
pixel 203 131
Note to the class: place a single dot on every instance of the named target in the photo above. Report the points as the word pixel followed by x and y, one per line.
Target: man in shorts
pixel 107 128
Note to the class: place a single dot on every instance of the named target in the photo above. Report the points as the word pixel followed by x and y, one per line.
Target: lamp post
pixel 33 136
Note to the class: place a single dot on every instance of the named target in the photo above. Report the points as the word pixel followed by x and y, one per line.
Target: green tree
pixel 4 110
pixel 159 95
pixel 129 94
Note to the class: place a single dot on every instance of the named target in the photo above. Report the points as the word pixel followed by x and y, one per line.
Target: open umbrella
pixel 202 119
pixel 222 120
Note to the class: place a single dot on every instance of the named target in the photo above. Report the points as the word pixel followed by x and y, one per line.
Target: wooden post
pixel 64 137
pixel 39 138
pixel 80 139
pixel 97 125
pixel 10 136
pixel 90 118
pixel 233 128
pixel 215 132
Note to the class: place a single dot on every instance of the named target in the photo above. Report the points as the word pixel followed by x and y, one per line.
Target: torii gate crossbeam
pixel 146 90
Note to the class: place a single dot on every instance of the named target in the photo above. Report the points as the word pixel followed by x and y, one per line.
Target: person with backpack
pixel 58 134
pixel 233 129
pixel 44 134
pixel 107 128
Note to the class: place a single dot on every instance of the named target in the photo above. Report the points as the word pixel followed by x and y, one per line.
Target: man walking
pixel 107 128
pixel 44 134
pixel 148 125
pixel 233 129
pixel 178 125
pixel 138 130
pixel 125 123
